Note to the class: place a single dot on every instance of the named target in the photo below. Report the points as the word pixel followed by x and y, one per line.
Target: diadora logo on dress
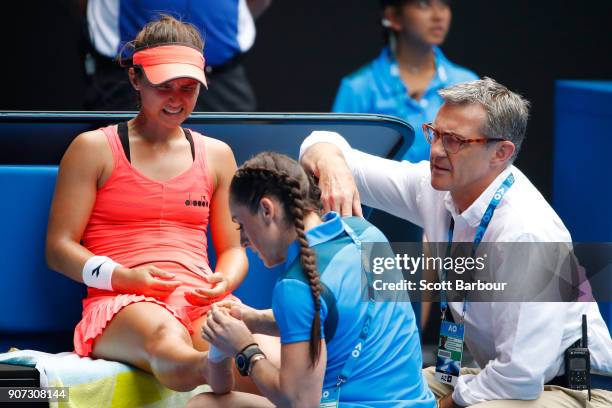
pixel 202 202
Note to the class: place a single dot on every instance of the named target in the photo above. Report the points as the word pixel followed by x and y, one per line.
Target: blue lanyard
pixel 480 231
pixel 356 352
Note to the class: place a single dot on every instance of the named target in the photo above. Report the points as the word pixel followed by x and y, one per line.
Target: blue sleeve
pixel 348 100
pixel 293 310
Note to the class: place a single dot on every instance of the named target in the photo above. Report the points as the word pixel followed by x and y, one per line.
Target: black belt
pixel 227 65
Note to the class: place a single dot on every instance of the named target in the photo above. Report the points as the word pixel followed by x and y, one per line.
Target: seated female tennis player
pixel 337 349
pixel 129 218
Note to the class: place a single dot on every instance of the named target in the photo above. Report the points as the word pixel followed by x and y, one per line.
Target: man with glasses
pixel 474 139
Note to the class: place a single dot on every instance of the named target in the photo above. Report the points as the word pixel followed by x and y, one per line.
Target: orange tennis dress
pixel 138 221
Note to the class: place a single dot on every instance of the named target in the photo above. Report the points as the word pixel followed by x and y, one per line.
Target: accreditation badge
pixel 450 351
pixel 330 398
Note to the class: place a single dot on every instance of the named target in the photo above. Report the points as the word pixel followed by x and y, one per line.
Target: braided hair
pixel 270 174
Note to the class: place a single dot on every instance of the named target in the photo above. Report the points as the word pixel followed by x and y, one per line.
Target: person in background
pixel 405 78
pixel 226 25
pixel 404 81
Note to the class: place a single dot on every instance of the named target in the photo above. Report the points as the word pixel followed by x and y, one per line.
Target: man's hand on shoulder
pixel 338 189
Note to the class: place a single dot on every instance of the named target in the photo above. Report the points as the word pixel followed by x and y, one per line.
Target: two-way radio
pixel 578 363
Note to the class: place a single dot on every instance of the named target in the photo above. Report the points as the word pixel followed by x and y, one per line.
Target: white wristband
pixel 98 271
pixel 215 355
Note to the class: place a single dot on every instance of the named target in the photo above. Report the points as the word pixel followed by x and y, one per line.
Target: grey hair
pixel 506 112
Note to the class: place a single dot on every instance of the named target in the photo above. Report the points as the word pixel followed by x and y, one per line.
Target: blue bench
pixel 35 300
pixel 40 307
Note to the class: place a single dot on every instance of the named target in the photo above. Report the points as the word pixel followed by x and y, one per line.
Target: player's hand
pixel 147 280
pixel 247 314
pixel 207 296
pixel 225 332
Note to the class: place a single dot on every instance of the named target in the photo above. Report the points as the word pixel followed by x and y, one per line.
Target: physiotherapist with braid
pixel 337 348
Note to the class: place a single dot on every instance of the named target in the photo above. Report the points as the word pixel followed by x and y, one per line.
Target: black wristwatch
pixel 244 357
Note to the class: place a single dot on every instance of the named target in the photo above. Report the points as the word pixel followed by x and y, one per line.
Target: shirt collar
pixel 385 66
pixel 473 214
pixel 331 227
pixel 386 71
pixel 441 67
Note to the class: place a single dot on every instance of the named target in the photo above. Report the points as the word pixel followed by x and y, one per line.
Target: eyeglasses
pixel 452 143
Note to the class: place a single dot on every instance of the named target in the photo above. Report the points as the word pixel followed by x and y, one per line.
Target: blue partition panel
pixel 582 167
pixel 32 297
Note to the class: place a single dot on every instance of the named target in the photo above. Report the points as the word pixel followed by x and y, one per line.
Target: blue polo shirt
pixel 388 372
pixel 378 88
pixel 226 26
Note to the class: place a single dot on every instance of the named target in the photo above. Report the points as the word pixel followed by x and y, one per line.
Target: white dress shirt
pixel 519 346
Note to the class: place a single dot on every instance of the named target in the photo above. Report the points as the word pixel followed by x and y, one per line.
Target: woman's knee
pixel 164 333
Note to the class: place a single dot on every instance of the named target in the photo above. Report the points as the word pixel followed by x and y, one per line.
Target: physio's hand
pixel 207 296
pixel 247 314
pixel 225 332
pixel 338 190
pixel 147 280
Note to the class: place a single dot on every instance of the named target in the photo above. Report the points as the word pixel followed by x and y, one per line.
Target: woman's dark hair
pixel 384 3
pixel 270 174
pixel 165 30
pixel 398 4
